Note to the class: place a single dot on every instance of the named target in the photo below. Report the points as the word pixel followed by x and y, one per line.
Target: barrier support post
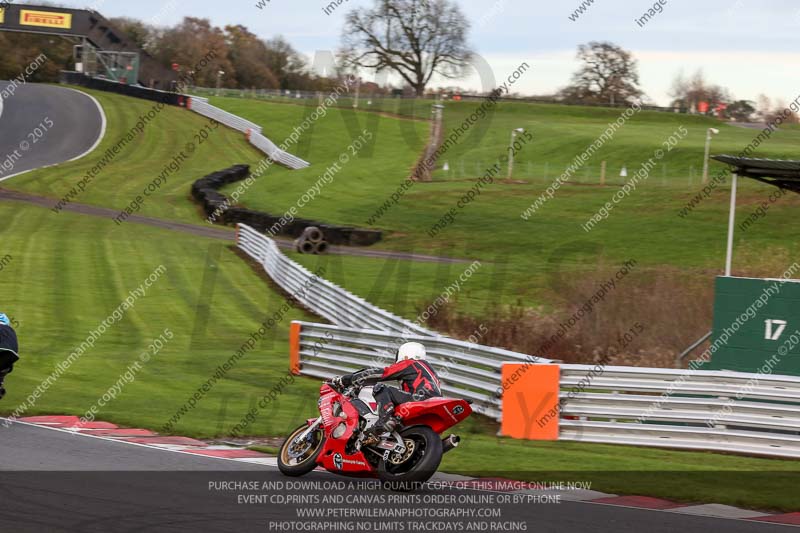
pixel 294 347
pixel 530 401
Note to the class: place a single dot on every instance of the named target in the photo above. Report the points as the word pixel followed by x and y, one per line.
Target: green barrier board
pixel 756 326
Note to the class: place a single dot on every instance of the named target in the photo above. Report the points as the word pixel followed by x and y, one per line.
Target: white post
pixel 514 133
pixel 731 221
pixel 219 80
pixel 511 154
pixel 709 132
pixel 705 158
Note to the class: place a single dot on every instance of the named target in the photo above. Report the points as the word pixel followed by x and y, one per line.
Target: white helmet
pixel 411 350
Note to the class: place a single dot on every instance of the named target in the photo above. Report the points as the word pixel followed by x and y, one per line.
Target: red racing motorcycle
pixel 409 454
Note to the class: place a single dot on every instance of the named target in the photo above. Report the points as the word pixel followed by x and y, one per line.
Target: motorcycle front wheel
pixel 300 458
pixel 408 470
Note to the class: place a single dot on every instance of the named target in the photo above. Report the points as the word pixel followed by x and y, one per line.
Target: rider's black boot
pixel 385 422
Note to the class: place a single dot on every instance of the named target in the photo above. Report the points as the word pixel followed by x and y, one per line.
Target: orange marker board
pixel 530 401
pixel 294 347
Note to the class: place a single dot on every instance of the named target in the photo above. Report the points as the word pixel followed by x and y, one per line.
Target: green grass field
pixel 645 226
pixel 560 133
pixel 68 272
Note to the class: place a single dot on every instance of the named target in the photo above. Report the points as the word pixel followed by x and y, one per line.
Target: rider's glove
pixel 337 383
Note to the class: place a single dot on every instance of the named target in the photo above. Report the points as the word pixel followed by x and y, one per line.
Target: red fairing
pixel 439 414
pixel 333 456
pixel 341 417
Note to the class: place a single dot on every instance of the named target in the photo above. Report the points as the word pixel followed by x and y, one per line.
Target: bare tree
pixel 414 38
pixel 688 93
pixel 608 75
pixel 764 107
pixel 772 111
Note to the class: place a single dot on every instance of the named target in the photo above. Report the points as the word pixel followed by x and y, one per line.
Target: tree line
pixel 413 39
pixel 246 60
pixel 609 75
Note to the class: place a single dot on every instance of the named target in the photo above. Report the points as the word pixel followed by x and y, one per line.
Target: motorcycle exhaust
pixel 450 442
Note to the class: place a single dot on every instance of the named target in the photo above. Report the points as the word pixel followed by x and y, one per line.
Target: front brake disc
pixel 297 449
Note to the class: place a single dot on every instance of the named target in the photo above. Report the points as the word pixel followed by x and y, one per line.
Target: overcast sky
pixel 749 46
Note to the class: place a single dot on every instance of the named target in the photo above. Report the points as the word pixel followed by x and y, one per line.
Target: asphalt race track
pixel 77 125
pixel 56 481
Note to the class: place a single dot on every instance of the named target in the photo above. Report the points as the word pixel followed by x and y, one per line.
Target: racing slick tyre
pixel 298 459
pixel 407 471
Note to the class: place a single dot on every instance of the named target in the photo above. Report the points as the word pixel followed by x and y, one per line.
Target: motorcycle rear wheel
pixel 307 460
pixel 408 473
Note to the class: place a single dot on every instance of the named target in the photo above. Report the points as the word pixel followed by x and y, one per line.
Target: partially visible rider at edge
pixel 417 379
pixel 9 350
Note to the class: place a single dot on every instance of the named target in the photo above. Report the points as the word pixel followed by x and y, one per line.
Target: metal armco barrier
pixel 467 370
pixel 286 159
pixel 134 91
pixel 250 129
pixel 699 410
pixel 202 107
pixel 324 298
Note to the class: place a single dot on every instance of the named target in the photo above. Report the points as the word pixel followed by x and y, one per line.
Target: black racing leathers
pixel 9 353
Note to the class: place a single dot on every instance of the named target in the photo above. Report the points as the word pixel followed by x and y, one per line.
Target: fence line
pixel 325 298
pixel 702 409
pixel 250 129
pixel 365 97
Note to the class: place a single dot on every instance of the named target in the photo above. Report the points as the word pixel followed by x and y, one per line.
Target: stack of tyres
pixel 312 241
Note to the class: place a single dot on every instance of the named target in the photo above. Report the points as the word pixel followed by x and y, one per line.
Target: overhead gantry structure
pixel 100 49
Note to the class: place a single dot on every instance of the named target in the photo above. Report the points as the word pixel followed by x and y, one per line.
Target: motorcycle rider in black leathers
pixel 9 350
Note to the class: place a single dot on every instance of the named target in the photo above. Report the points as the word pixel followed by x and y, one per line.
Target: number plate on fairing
pixel 326 408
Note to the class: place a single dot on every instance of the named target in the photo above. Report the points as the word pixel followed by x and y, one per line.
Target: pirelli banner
pixel 43 19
